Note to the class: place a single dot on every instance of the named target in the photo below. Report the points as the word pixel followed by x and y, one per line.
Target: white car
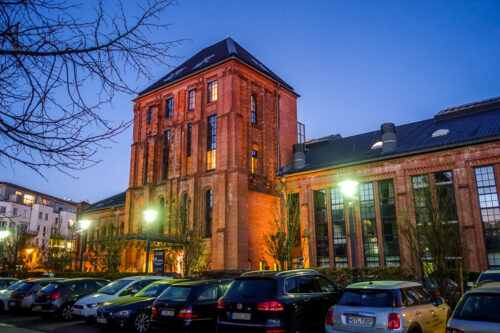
pixel 5 295
pixel 86 307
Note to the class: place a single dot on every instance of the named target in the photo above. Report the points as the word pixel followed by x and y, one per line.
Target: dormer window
pixel 377 145
pixel 440 132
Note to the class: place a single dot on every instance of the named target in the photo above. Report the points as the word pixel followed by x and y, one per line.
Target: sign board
pixel 159 262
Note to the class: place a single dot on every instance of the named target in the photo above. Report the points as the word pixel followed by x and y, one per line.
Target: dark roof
pixel 468 124
pixel 210 56
pixel 116 200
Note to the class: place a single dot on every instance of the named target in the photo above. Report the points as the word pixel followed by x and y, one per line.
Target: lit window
pixel 440 132
pixel 377 144
pixel 191 99
pixel 169 107
pixel 211 142
pixel 29 199
pixel 150 115
pixel 254 161
pixel 254 110
pixel 18 193
pixel 212 91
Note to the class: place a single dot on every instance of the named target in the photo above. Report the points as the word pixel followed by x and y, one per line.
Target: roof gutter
pixel 385 158
pixel 211 66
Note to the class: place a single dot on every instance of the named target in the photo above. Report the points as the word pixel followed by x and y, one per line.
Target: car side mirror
pixel 439 301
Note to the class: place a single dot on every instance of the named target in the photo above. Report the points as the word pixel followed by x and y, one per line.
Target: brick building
pixel 220 130
pixel 455 154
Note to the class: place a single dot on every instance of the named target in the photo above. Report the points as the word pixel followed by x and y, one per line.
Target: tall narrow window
pixel 188 148
pixel 146 162
pixel 150 115
pixel 321 227
pixel 301 132
pixel 254 161
pixel 338 228
pixel 191 99
pixel 421 197
pixel 490 213
pixel 253 103
pixel 389 226
pixel 166 155
pixel 169 107
pixel 446 197
pixel 161 215
pixel 207 232
pixel 369 225
pixel 211 142
pixel 212 91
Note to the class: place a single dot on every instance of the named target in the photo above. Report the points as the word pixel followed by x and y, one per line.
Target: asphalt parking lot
pixel 26 323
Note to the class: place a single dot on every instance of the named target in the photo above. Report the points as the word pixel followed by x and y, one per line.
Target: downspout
pixel 278 125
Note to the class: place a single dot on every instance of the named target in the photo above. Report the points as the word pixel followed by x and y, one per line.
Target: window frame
pixel 169 107
pixel 212 91
pixel 191 99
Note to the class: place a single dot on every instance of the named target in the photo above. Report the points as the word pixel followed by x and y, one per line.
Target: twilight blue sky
pixel 356 64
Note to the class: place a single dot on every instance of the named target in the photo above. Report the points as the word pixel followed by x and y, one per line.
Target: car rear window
pixel 114 286
pixel 176 294
pixel 26 286
pixel 252 288
pixel 489 277
pixel 368 298
pixel 479 307
pixel 15 285
pixel 52 287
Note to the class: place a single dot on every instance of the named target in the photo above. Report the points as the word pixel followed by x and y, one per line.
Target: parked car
pixel 86 307
pixel 24 296
pixel 477 311
pixel 132 312
pixel 58 297
pixel 7 282
pixel 268 301
pixel 5 295
pixel 490 275
pixel 189 306
pixel 387 306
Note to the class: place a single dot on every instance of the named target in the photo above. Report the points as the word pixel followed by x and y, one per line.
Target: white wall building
pixel 41 216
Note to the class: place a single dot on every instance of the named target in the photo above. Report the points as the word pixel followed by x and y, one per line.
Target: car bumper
pixel 177 327
pixel 20 304
pixel 84 312
pixel 44 308
pixel 113 322
pixel 230 327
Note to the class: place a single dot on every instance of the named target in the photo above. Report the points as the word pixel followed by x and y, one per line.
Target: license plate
pixel 102 320
pixel 168 313
pixel 363 321
pixel 240 316
pixel 37 308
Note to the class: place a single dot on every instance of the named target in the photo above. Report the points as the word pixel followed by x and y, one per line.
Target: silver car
pixel 387 306
pixel 477 311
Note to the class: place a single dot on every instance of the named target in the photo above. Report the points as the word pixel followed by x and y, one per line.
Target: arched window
pixel 254 159
pixel 207 232
pixel 253 106
pixel 161 215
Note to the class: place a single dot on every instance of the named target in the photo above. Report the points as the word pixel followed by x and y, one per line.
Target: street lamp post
pixel 348 188
pixel 150 216
pixel 84 224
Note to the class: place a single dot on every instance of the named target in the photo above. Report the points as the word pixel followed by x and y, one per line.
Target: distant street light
pixel 29 251
pixel 150 216
pixel 349 188
pixel 84 224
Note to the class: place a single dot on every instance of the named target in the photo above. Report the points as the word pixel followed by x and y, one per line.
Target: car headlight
pixel 94 305
pixel 124 313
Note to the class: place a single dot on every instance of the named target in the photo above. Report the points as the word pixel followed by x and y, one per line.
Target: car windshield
pixel 479 307
pixel 153 290
pixel 252 288
pixel 175 293
pixel 367 298
pixel 52 287
pixel 114 287
pixel 26 286
pixel 15 285
pixel 489 277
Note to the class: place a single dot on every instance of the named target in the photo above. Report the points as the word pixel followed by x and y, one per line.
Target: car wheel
pixel 142 322
pixel 298 326
pixel 65 312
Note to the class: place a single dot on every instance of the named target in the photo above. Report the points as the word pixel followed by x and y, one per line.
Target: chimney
pixel 299 156
pixel 389 140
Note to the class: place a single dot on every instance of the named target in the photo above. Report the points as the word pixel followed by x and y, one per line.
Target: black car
pixel 189 306
pixel 132 312
pixel 24 296
pixel 58 297
pixel 268 301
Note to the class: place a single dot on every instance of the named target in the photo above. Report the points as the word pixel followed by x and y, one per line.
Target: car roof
pixel 46 279
pixel 487 288
pixel 170 281
pixel 82 279
pixel 292 272
pixel 141 277
pixel 383 285
pixel 203 282
pixel 495 271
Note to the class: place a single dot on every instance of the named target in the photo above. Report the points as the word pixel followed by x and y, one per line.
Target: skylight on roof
pixel 204 61
pixel 377 144
pixel 440 132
